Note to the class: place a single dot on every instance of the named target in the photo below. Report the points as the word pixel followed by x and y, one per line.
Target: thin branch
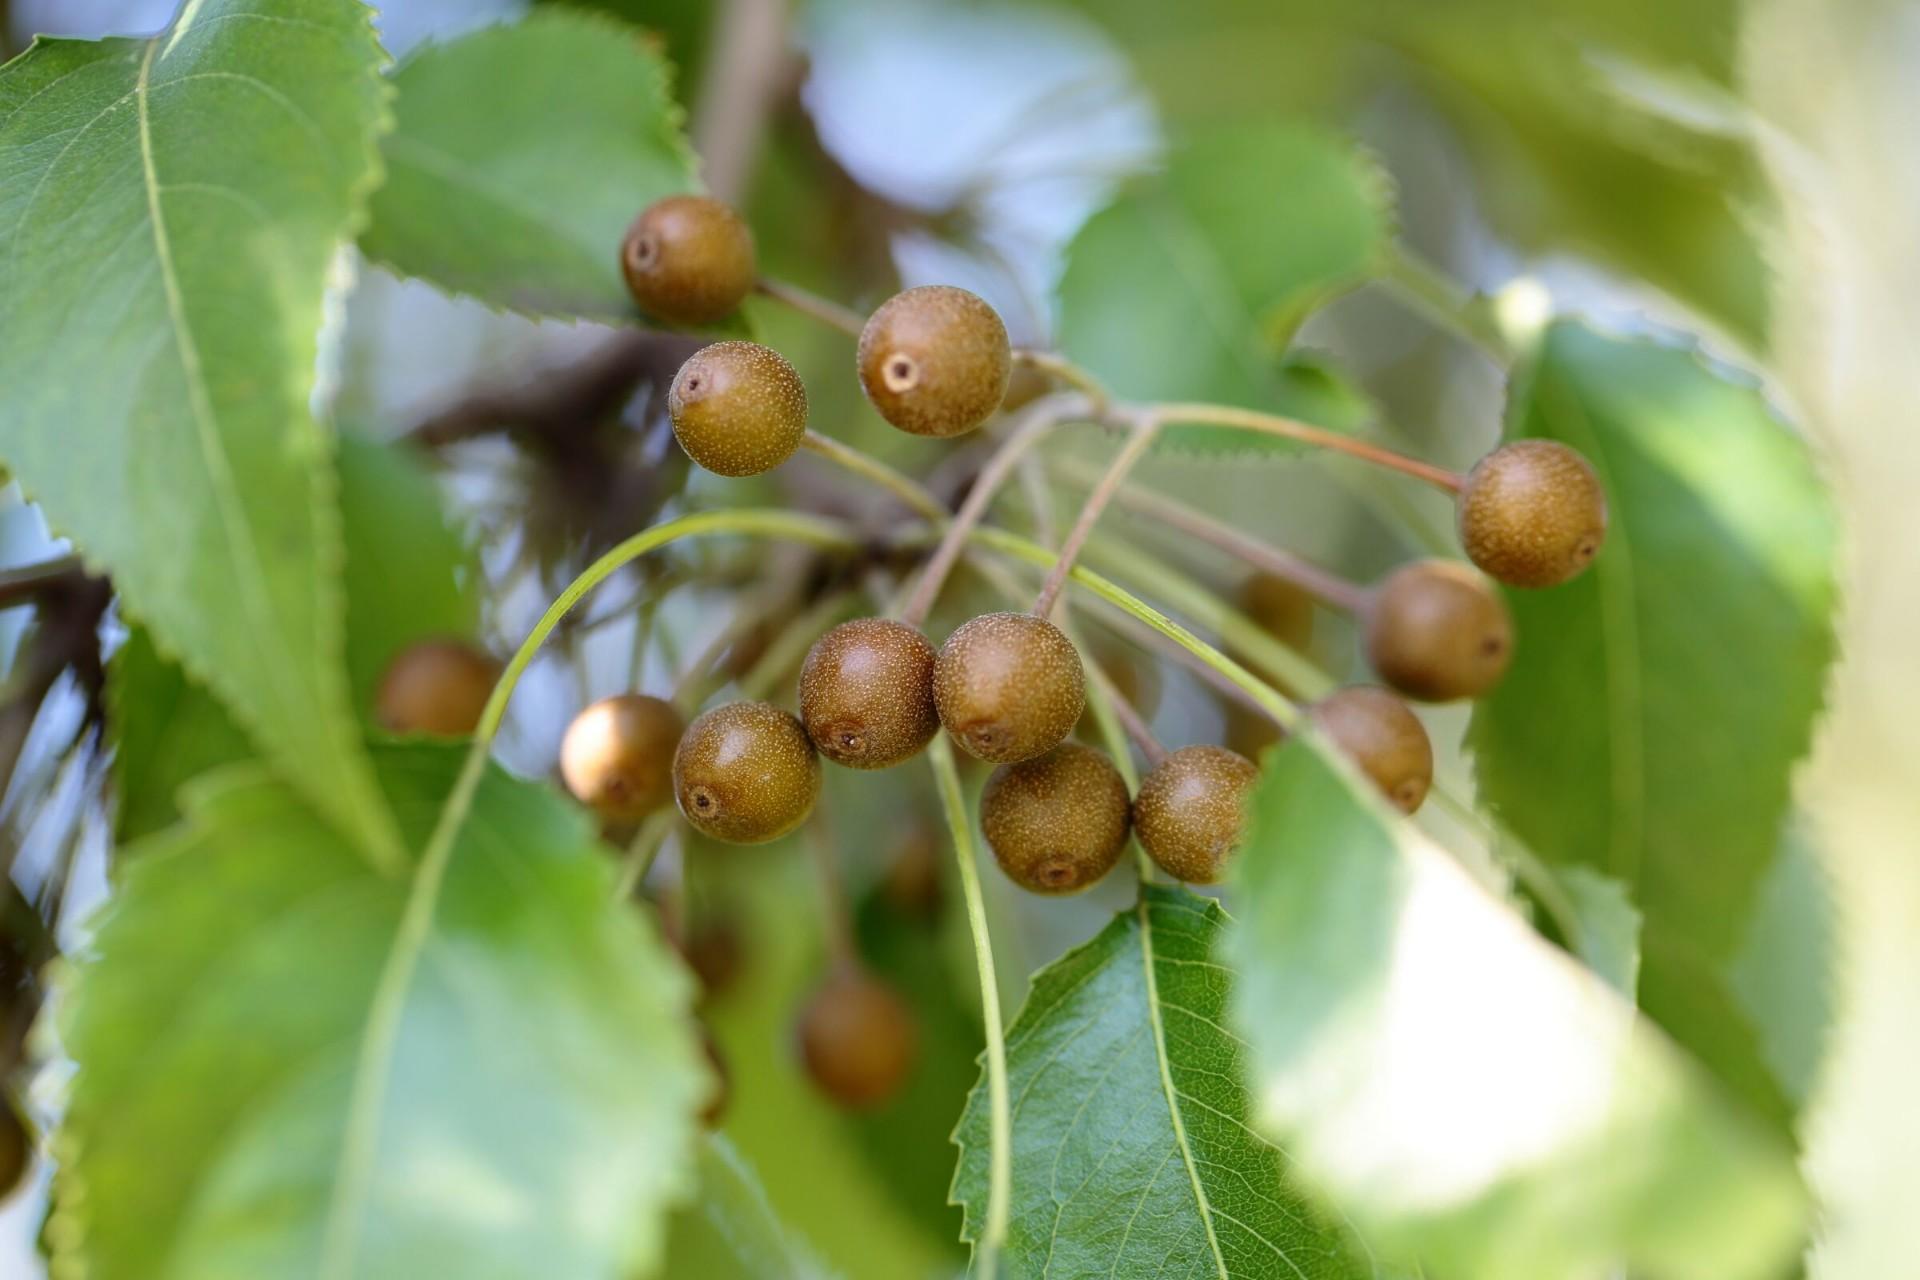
pixel 1128 715
pixel 1145 428
pixel 1221 415
pixel 1032 422
pixel 1323 584
pixel 750 66
pixel 1064 370
pixel 642 851
pixel 825 310
pixel 865 465
pixel 29 582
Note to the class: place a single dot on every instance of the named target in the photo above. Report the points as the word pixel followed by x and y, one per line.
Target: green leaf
pixel 1657 704
pixel 1458 1086
pixel 1609 927
pixel 535 1112
pixel 730 1231
pixel 520 156
pixel 408 577
pixel 171 209
pixel 1190 289
pixel 1131 1150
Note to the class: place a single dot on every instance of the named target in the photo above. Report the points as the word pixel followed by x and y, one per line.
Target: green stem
pixel 1444 301
pixel 868 467
pixel 808 303
pixel 642 851
pixel 1064 370
pixel 1138 442
pixel 1000 1114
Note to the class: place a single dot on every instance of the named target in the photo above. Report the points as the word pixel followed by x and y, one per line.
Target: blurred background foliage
pixel 1745 171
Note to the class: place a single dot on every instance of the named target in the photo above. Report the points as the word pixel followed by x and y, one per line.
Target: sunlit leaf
pixel 1131 1145
pixel 162 297
pixel 1658 703
pixel 290 1066
pixel 520 155
pixel 1458 1086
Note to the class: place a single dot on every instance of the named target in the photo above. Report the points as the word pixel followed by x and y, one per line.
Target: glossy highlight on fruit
pixel 436 687
pixel 858 1039
pixel 1188 814
pixel 1057 824
pixel 738 408
pixel 688 260
pixel 1381 734
pixel 935 361
pixel 617 755
pixel 746 773
pixel 1009 686
pixel 866 693
pixel 1437 630
pixel 1532 513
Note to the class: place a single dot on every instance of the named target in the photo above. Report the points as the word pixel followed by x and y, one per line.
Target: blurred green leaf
pixel 1657 704
pixel 532 1118
pixel 1131 1149
pixel 1456 1085
pixel 1609 927
pixel 168 260
pixel 1191 288
pixel 730 1231
pixel 1783 975
pixel 408 577
pixel 520 155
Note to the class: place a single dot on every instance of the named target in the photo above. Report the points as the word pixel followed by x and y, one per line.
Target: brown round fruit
pixel 858 1040
pixel 1283 610
pixel 1056 824
pixel 688 260
pixel 1188 814
pixel 1381 734
pixel 1437 630
pixel 738 408
pixel 617 755
pixel 866 693
pixel 436 687
pixel 912 883
pixel 1532 513
pixel 935 361
pixel 1009 686
pixel 746 773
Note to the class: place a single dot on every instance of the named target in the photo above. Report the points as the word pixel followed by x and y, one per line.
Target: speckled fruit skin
pixel 436 687
pixel 866 693
pixel 746 773
pixel 617 755
pixel 1437 631
pixel 858 1040
pixel 1188 814
pixel 1056 824
pixel 688 260
pixel 1381 734
pixel 1009 686
pixel 738 408
pixel 935 361
pixel 1532 513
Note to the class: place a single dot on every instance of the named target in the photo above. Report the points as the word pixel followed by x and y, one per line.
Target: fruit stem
pixel 642 851
pixel 1144 428
pixel 833 897
pixel 1000 1116
pixel 1034 421
pixel 790 646
pixel 1129 716
pixel 868 467
pixel 29 582
pixel 1323 584
pixel 1222 415
pixel 1061 369
pixel 812 304
pixel 697 683
pixel 1458 310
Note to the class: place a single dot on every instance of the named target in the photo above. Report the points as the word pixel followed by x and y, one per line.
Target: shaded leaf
pixel 531 1118
pixel 163 295
pixel 1190 289
pixel 730 1231
pixel 1131 1149
pixel 519 156
pixel 1457 1085
pixel 1609 927
pixel 408 577
pixel 1658 765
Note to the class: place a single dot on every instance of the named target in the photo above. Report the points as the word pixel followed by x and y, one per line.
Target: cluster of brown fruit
pixel 1008 687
